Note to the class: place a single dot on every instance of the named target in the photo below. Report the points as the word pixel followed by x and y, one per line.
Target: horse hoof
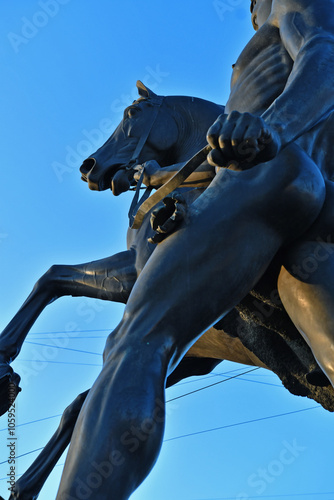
pixel 318 378
pixel 9 387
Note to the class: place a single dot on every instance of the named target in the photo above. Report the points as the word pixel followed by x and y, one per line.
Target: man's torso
pixel 260 76
pixel 260 73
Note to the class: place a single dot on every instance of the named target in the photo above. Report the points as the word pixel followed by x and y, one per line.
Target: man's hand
pixel 241 140
pixel 151 170
pixel 167 216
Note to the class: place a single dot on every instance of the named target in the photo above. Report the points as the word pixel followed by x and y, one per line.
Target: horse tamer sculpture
pixel 200 282
pixel 250 334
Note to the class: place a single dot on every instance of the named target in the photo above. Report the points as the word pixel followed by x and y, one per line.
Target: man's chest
pixel 260 73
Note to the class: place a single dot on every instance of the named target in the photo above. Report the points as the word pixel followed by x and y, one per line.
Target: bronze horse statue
pixel 168 131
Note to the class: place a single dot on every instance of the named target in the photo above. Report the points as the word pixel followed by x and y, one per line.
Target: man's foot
pixel 9 387
pixel 165 218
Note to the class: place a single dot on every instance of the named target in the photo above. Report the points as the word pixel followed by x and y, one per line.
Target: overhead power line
pixel 241 423
pixel 211 385
pixel 200 432
pixel 65 348
pixel 73 332
pixel 33 421
pixel 23 455
pixel 82 337
pixel 183 396
pixel 286 495
pixel 58 362
pixel 179 397
pixel 19 475
pixel 210 375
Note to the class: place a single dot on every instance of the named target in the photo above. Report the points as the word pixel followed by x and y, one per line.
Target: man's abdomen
pixel 260 73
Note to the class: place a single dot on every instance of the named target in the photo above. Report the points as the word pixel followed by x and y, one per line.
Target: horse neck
pixel 193 117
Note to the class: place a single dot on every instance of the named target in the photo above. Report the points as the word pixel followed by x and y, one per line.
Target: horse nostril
pixel 87 166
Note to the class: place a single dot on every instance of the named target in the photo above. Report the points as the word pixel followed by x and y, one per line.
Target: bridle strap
pixel 135 205
pixel 156 102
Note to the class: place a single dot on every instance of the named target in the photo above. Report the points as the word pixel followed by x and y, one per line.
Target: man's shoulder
pixel 308 8
pixel 301 20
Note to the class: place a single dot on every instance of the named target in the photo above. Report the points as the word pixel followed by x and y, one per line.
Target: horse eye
pixel 132 112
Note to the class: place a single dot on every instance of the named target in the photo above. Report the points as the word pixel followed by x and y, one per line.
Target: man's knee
pixel 301 174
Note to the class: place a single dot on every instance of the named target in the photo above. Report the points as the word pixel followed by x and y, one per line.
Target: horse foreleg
pixel 109 279
pixel 31 482
pixel 11 341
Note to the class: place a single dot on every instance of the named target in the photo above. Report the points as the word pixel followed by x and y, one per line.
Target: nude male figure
pixel 232 232
pixel 260 77
pixel 298 62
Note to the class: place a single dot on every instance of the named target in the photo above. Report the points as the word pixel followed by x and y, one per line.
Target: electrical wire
pixel 19 475
pixel 65 348
pixel 179 397
pixel 201 432
pixel 23 454
pixel 70 338
pixel 58 362
pixel 170 400
pixel 33 421
pixel 211 385
pixel 286 495
pixel 241 423
pixel 74 331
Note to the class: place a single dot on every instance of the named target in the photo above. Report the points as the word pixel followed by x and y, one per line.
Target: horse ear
pixel 144 91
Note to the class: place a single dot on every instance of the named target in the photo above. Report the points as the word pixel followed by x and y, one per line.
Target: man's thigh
pixel 232 232
pixel 323 227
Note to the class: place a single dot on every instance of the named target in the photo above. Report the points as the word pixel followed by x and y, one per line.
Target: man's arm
pixel 156 176
pixel 307 32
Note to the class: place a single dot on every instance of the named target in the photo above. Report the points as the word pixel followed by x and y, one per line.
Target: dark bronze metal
pixel 236 250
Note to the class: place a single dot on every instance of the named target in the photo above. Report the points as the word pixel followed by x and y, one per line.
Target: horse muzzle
pixel 117 177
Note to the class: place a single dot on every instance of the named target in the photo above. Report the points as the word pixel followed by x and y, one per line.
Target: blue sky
pixel 68 70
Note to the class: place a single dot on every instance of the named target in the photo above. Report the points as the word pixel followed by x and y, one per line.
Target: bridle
pixel 156 102
pixel 139 209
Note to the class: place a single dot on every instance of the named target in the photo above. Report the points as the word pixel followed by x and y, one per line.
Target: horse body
pixel 168 130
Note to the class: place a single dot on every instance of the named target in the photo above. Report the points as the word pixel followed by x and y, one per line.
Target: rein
pixel 146 205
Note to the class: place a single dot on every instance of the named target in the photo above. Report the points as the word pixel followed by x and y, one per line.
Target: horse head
pixel 147 132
